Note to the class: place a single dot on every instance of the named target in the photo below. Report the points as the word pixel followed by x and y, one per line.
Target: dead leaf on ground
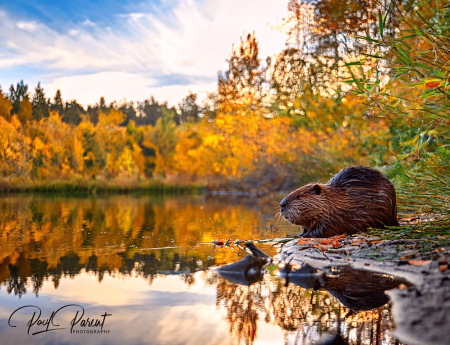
pixel 406 257
pixel 439 250
pixel 417 262
pixel 322 248
pixel 303 241
pixel 325 241
pixel 336 243
pixel 443 268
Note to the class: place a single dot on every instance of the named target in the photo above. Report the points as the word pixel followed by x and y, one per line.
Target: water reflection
pixel 98 252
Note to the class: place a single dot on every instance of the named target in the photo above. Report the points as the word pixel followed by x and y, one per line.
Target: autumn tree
pixel 128 109
pixel 321 37
pixel 93 155
pixel 243 83
pixel 162 139
pixel 5 106
pixel 20 100
pixel 94 112
pixel 14 159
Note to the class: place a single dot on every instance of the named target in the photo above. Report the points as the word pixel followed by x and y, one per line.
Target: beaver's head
pixel 304 206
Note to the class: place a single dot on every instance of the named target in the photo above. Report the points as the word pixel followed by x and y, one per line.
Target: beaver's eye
pixel 297 197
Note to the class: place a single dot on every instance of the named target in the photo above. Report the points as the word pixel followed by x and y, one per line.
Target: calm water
pixel 105 255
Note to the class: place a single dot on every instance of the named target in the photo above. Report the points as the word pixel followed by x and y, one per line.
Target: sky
pixel 129 50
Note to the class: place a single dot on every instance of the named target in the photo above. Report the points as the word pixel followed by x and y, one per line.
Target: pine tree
pixel 72 113
pixel 39 103
pixel 58 104
pixel 189 109
pixel 17 95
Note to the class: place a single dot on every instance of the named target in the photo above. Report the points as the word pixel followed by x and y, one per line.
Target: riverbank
pixel 93 187
pixel 421 306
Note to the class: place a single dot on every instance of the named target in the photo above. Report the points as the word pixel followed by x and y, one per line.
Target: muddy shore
pixel 421 306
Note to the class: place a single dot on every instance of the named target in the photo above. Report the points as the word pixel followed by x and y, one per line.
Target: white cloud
pixel 27 26
pixel 88 88
pixel 193 40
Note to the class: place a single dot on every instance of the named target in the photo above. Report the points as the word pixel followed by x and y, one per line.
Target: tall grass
pixel 92 187
pixel 416 101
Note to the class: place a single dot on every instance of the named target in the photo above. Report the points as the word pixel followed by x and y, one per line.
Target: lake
pixel 135 269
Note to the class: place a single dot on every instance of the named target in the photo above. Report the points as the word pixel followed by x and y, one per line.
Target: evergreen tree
pixel 72 113
pixel 149 112
pixel 39 103
pixel 189 109
pixel 58 104
pixel 17 95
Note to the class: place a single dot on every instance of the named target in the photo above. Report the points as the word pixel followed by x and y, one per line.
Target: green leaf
pixel 380 23
pixel 367 39
pixel 414 84
pixel 355 63
pixel 437 74
pixel 374 56
pixel 416 64
pixel 405 37
pixel 403 53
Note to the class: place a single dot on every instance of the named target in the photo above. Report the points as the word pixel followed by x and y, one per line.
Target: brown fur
pixel 355 199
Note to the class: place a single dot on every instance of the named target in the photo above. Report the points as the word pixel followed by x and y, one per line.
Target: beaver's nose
pixel 283 204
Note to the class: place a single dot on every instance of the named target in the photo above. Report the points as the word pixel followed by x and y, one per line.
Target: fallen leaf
pixel 325 241
pixel 443 268
pixel 304 241
pixel 336 243
pixel 416 262
pixel 322 248
pixel 356 241
pixel 439 250
pixel 402 286
pixel 375 242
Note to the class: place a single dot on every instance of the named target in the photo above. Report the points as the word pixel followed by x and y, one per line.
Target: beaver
pixel 355 199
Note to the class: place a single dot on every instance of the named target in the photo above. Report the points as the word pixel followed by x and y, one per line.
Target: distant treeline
pixel 352 86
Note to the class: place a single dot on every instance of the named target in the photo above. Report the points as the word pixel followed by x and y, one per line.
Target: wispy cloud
pixel 27 26
pixel 162 52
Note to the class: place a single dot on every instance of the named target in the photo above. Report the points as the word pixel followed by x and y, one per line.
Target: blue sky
pixel 129 49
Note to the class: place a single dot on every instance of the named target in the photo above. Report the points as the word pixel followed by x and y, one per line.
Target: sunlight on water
pixel 102 254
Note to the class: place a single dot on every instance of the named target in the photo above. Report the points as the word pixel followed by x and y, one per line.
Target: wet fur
pixel 355 199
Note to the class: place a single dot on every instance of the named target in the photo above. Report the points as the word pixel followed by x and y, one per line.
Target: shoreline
pixel 93 187
pixel 429 287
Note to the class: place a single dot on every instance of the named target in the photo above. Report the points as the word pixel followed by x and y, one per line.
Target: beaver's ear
pixel 316 189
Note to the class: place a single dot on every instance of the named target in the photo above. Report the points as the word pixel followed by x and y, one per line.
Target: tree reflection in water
pixel 304 315
pixel 51 239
